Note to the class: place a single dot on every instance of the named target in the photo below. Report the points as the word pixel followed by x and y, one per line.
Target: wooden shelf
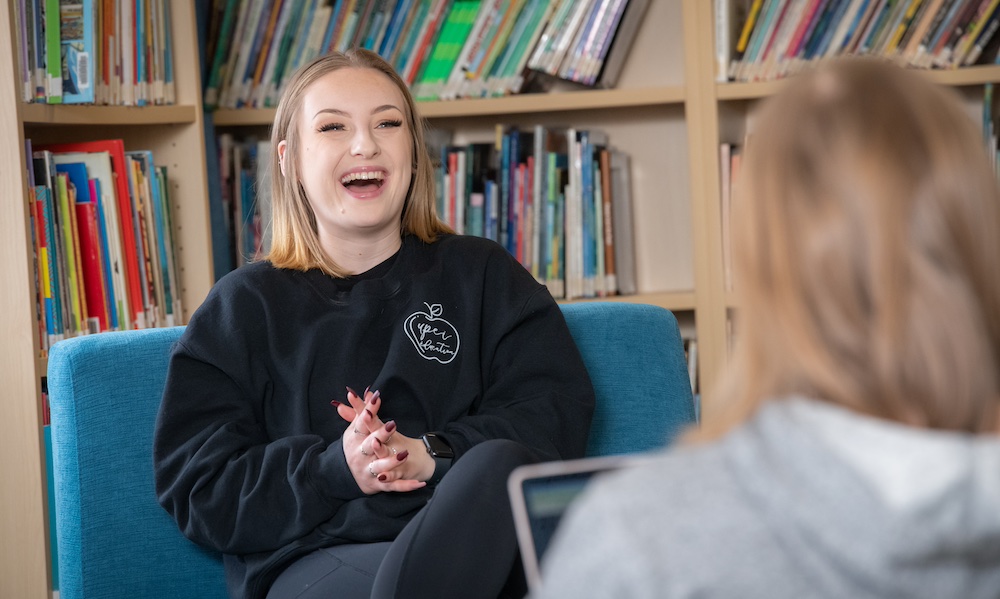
pixel 976 75
pixel 521 104
pixel 68 114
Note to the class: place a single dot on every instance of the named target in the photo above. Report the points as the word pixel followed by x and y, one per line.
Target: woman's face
pixel 356 157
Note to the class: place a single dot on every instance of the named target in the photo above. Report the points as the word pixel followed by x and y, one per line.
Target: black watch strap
pixel 442 453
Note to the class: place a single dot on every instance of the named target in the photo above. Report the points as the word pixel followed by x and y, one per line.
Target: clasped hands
pixel 380 457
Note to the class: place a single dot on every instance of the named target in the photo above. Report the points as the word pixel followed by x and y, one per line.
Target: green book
pixel 449 44
pixel 53 53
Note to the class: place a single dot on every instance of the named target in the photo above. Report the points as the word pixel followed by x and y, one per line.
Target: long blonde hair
pixel 866 247
pixel 295 241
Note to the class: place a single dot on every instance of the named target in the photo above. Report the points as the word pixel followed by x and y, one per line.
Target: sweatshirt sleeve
pixel 226 483
pixel 536 389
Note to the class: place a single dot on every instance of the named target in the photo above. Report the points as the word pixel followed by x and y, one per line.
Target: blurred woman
pixel 852 449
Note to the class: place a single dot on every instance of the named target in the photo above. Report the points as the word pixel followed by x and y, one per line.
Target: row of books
pixel 115 52
pixel 443 49
pixel 559 200
pixel 103 242
pixel 759 40
pixel 246 197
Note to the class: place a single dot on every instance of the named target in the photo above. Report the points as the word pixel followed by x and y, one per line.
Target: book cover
pixel 65 196
pixel 47 264
pixel 621 43
pixel 621 189
pixel 428 35
pixel 113 307
pixel 415 20
pixel 90 255
pixel 442 59
pixel 53 53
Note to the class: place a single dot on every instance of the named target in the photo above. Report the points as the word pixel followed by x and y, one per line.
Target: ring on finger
pixel 393 449
pixel 363 452
pixel 357 432
pixel 370 470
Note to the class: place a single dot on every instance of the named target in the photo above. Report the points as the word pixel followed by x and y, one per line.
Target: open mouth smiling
pixel 364 180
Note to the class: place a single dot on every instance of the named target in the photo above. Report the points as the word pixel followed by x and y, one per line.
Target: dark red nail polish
pixel 382 478
pixel 353 392
pixel 390 426
pixel 402 455
pixel 369 413
pixel 335 403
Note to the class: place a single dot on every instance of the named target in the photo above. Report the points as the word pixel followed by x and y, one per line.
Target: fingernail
pixel 390 426
pixel 335 403
pixel 382 478
pixel 402 455
pixel 367 388
pixel 369 412
pixel 375 397
pixel 353 392
pixel 376 440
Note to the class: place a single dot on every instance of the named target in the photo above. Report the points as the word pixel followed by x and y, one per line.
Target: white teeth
pixel 363 176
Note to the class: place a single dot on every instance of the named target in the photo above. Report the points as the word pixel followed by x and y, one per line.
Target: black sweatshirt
pixel 457 337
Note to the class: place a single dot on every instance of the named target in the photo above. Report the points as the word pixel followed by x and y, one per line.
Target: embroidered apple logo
pixel 435 338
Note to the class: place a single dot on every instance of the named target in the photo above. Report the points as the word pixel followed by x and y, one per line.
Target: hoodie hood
pixel 872 507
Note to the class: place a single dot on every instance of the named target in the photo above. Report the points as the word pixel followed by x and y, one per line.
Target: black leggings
pixel 461 544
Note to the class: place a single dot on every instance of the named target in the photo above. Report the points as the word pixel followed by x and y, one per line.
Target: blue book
pixel 395 27
pixel 102 227
pixel 77 35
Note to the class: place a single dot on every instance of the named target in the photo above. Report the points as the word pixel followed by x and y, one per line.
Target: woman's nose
pixel 363 144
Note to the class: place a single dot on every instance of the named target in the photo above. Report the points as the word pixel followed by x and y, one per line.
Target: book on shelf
pixel 780 37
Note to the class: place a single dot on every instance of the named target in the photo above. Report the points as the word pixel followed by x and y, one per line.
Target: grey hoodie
pixel 805 500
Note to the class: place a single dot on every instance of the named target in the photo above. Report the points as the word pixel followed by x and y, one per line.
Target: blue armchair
pixel 114 539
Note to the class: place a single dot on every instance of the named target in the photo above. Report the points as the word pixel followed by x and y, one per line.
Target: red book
pixel 91 263
pixel 116 148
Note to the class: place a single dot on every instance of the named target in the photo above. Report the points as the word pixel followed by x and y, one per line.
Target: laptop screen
pixel 540 494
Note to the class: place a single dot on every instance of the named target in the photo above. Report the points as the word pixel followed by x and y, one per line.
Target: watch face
pixel 437 447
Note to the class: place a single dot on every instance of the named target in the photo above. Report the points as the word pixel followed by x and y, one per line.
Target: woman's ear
pixel 282 146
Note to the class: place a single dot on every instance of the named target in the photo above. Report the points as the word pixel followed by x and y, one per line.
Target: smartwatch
pixel 442 454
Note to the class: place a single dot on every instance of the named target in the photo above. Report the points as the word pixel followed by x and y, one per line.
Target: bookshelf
pixel 175 135
pixel 667 111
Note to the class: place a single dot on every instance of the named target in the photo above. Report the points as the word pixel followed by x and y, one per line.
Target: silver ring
pixel 362 448
pixel 370 469
pixel 357 432
pixel 393 450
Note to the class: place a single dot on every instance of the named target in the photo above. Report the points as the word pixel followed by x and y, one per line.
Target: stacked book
pixel 104 249
pixel 443 49
pixel 95 51
pixel 759 40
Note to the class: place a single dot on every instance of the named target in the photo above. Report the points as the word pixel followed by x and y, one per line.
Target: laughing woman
pixel 464 365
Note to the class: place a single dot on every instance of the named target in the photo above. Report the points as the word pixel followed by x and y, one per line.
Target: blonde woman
pixel 853 449
pixel 466 364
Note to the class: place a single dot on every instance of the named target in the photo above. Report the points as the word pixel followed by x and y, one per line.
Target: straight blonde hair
pixel 866 247
pixel 295 240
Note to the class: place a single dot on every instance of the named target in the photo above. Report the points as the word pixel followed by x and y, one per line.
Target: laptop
pixel 541 493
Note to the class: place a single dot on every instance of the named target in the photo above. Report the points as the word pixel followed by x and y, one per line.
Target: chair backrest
pixel 635 358
pixel 115 540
